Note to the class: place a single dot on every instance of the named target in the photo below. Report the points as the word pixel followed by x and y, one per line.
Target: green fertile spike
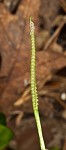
pixel 34 86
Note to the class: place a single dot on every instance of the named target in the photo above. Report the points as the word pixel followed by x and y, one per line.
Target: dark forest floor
pixel 15 97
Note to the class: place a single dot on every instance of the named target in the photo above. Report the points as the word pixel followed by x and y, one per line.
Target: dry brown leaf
pixel 63 4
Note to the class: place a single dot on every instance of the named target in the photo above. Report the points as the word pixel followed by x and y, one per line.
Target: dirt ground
pixel 15 54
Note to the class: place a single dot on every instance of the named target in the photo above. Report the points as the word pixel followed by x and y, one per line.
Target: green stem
pixel 34 87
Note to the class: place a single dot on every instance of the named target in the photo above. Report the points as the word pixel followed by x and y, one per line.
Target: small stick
pixel 55 35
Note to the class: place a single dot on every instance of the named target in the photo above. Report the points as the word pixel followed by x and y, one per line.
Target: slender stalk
pixel 34 87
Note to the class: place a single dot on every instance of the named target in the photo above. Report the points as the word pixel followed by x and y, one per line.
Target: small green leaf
pixel 5 136
pixel 2 119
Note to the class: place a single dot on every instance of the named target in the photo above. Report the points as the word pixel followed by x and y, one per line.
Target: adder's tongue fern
pixel 33 85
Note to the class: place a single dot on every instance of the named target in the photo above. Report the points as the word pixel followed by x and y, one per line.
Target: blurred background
pixel 15 54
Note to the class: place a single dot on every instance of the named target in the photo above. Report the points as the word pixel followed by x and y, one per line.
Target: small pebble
pixel 63 96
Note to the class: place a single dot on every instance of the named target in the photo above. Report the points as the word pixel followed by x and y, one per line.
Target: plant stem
pixel 34 87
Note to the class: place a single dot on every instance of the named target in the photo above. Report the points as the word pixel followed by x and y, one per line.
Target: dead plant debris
pixel 15 95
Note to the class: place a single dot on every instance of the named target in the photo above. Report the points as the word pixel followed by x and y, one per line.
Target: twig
pixel 55 35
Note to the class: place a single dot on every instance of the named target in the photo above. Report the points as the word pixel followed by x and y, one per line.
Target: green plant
pixel 5 133
pixel 34 86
